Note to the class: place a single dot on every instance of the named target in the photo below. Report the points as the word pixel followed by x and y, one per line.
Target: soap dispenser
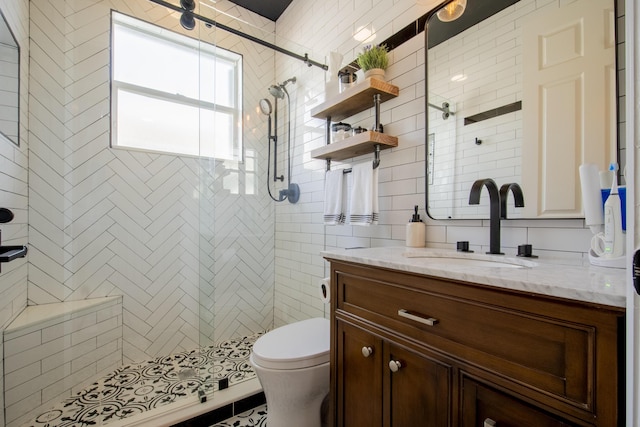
pixel 415 231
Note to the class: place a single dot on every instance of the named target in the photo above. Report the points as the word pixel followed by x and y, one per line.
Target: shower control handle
pixel 367 351
pixel 395 365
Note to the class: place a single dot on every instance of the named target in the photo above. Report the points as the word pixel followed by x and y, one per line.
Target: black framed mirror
pixel 9 83
pixel 520 91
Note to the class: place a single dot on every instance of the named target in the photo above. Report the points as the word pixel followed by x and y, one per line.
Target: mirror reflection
pixel 520 92
pixel 9 83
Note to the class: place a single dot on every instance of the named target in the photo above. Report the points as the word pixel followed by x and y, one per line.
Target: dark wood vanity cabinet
pixel 413 350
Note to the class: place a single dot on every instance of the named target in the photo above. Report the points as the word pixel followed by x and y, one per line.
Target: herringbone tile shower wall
pixel 188 242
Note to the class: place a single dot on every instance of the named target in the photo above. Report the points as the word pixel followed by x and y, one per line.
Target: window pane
pixel 216 134
pixel 145 60
pixel 155 124
pixel 218 82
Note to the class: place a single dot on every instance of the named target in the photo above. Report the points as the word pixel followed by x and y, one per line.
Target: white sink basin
pixel 443 259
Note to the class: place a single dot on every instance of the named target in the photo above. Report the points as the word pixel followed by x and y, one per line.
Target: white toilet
pixel 292 364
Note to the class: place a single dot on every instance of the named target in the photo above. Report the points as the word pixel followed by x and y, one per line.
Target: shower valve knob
pixel 367 351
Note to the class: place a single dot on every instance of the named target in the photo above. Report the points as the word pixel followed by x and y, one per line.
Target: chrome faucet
pixel 497 207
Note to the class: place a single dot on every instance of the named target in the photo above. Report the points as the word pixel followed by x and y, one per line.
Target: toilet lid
pixel 297 345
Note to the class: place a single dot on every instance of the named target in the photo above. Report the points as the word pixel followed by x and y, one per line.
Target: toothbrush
pixel 613 239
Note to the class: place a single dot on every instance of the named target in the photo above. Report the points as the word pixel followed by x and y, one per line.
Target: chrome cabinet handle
pixel 489 423
pixel 395 365
pixel 430 321
pixel 367 351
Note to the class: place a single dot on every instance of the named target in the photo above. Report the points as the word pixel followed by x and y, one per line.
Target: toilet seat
pixel 298 345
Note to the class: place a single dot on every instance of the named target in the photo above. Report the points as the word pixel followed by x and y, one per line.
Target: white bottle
pixel 613 238
pixel 415 231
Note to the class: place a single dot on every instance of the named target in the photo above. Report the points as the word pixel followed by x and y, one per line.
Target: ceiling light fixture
pixel 452 11
pixel 365 34
pixel 459 78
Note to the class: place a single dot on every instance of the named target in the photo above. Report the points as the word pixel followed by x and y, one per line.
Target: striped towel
pixel 363 206
pixel 333 195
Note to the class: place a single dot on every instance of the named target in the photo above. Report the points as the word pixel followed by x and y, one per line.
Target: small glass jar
pixel 340 131
pixel 358 129
pixel 347 77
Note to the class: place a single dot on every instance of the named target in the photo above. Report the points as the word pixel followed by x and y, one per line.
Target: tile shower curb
pixel 188 408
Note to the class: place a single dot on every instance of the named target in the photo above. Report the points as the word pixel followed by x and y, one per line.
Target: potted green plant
pixel 373 60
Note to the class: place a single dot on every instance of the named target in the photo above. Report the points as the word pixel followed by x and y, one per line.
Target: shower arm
pixel 446 112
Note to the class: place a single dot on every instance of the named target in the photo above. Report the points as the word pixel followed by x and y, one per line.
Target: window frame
pixel 213 51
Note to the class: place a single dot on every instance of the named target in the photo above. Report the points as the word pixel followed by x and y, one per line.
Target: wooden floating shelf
pixel 357 145
pixel 355 99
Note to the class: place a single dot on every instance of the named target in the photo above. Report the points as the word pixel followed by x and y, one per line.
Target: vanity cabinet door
pixel 483 406
pixel 382 383
pixel 418 389
pixel 359 377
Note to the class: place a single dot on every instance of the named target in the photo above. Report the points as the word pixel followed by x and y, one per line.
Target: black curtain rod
pixel 206 20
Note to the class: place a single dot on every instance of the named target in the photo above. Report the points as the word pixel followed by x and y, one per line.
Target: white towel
pixel 363 206
pixel 333 197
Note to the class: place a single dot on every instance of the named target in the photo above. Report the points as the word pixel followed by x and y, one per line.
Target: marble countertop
pixel 600 285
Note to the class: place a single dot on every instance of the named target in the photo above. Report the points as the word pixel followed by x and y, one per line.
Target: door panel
pixel 567 119
pixel 359 378
pixel 418 391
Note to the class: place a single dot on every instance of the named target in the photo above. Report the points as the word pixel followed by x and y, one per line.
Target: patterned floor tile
pixel 133 389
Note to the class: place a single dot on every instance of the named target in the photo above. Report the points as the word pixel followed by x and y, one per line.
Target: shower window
pixel 173 94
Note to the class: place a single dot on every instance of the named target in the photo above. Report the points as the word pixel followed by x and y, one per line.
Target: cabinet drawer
pixel 484 406
pixel 546 354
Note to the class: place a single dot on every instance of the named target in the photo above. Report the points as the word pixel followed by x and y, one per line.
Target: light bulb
pixel 452 11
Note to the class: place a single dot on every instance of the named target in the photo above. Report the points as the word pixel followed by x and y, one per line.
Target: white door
pixel 569 115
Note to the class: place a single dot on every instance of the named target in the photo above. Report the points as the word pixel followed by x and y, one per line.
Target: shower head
pixel 276 91
pixel 265 106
